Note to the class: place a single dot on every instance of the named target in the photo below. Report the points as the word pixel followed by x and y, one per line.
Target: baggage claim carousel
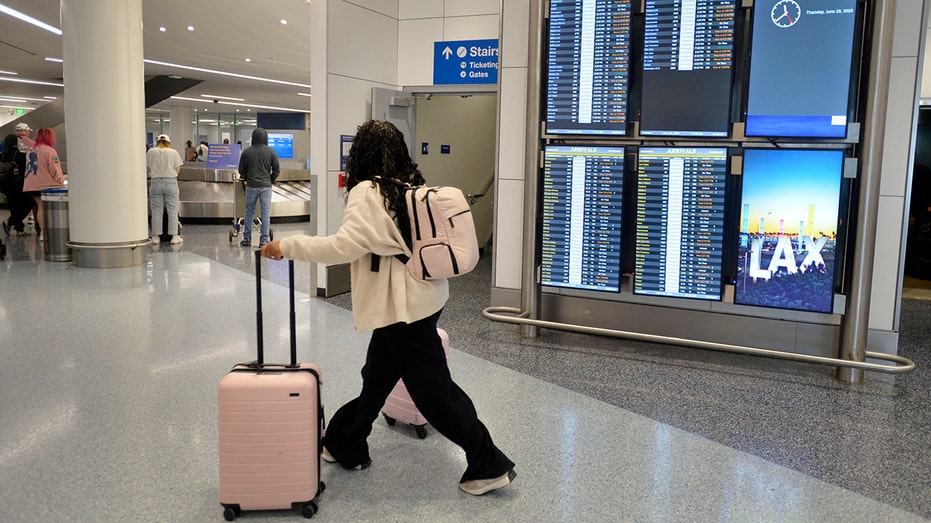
pixel 210 195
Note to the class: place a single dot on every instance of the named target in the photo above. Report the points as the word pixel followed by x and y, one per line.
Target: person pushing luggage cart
pixel 400 309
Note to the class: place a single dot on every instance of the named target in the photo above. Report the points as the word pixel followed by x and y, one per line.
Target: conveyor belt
pixel 209 194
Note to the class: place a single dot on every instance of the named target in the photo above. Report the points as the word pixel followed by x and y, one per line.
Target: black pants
pixel 20 204
pixel 413 352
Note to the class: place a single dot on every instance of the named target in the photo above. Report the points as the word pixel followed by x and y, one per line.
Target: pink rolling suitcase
pixel 271 423
pixel 400 407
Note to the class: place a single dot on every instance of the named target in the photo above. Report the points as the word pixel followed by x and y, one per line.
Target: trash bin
pixel 55 228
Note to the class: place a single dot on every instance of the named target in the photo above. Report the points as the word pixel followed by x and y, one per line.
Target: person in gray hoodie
pixel 258 165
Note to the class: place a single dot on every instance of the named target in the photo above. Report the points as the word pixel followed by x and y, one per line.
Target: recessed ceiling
pixel 226 33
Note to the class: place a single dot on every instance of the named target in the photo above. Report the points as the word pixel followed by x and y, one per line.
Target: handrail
pixel 488 185
pixel 906 365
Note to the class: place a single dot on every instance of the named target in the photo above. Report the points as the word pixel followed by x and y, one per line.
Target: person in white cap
pixel 163 165
pixel 26 143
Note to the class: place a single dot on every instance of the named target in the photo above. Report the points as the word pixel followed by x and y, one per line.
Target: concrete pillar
pixel 181 128
pixel 105 123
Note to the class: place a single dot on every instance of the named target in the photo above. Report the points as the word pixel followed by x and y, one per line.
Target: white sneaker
pixel 176 239
pixel 477 487
pixel 156 240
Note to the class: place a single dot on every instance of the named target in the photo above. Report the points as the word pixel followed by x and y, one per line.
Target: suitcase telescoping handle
pixel 260 352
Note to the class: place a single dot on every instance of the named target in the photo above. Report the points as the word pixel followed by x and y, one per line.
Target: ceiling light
pixel 26 18
pixel 51 59
pixel 24 98
pixel 304 94
pixel 243 105
pixel 248 59
pixel 16 107
pixel 5 99
pixel 8 72
pixel 223 97
pixel 24 81
pixel 284 22
pixel 50 97
pixel 190 28
pixel 224 73
pixel 162 29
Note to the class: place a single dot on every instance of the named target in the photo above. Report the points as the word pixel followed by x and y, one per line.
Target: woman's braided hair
pixel 380 154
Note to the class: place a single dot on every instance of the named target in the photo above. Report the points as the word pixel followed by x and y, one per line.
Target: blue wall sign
pixel 465 62
pixel 223 156
pixel 444 149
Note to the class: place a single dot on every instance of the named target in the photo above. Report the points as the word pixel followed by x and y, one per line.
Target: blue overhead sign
pixel 465 62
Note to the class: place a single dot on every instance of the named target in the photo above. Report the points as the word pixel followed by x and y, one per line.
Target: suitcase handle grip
pixel 260 349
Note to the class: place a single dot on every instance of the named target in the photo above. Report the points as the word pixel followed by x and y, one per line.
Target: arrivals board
pixel 680 221
pixel 581 232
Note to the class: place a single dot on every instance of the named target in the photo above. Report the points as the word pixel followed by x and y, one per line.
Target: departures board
pixel 588 67
pixel 688 49
pixel 680 221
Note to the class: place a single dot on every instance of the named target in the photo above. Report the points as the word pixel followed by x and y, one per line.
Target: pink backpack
pixel 442 233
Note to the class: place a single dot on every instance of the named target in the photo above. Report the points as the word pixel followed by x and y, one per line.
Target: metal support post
pixel 856 321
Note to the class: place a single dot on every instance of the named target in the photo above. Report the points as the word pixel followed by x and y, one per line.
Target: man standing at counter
pixel 258 165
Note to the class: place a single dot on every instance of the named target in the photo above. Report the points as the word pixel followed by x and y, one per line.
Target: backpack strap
pixel 376 259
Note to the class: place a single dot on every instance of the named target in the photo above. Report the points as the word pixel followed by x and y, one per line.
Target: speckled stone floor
pixel 109 408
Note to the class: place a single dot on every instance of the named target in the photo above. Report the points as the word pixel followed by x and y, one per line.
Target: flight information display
pixel 687 67
pixel 680 221
pixel 790 202
pixel 581 233
pixel 587 67
pixel 800 66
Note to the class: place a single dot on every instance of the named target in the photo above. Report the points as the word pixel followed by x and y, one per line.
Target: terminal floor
pixel 108 413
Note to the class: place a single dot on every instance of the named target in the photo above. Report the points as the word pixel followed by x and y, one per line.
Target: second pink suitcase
pixel 400 407
pixel 271 423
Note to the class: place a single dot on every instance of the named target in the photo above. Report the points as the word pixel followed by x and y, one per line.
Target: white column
pixel 105 123
pixel 181 128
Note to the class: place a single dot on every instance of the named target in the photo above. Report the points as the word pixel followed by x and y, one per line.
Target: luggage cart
pixel 239 211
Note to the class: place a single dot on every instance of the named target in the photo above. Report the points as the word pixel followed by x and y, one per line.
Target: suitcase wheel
pixel 309 510
pixel 421 431
pixel 231 513
pixel 389 420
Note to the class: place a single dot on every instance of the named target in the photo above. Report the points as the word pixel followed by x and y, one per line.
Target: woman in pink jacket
pixel 42 170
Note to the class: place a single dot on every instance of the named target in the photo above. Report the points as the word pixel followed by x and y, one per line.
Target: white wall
pixel 423 22
pixel 354 48
pixel 512 122
pixel 898 154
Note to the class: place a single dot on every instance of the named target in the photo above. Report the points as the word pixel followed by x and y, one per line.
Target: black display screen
pixel 680 221
pixel 581 232
pixel 788 228
pixel 587 67
pixel 800 67
pixel 687 65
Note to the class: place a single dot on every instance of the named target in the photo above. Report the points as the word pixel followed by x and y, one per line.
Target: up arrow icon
pixel 447 52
